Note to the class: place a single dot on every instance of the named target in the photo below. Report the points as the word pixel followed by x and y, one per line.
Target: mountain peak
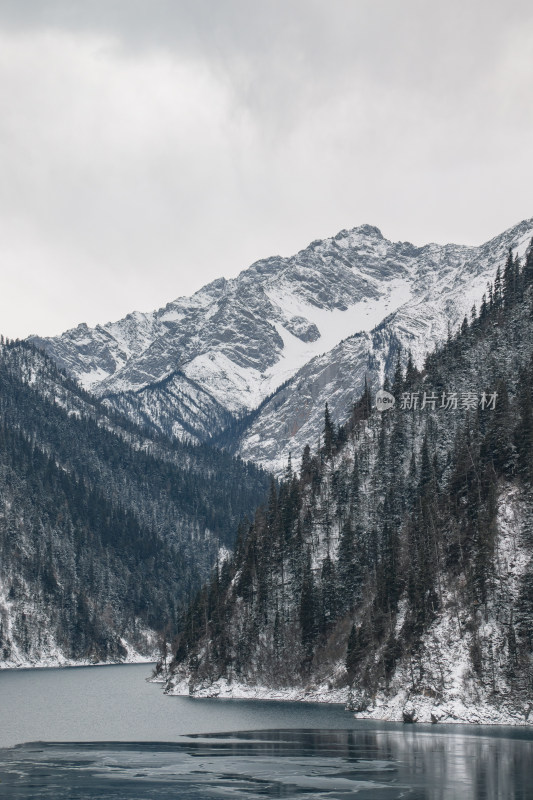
pixel 368 230
pixel 240 339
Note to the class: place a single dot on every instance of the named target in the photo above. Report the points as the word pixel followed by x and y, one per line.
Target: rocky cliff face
pixel 189 367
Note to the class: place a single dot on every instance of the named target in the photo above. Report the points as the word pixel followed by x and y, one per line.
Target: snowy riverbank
pixel 53 657
pixel 402 707
pixel 240 691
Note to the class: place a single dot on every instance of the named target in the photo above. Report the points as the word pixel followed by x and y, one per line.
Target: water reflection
pixel 316 764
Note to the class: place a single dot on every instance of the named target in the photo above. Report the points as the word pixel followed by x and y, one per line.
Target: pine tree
pixel 329 593
pixel 366 400
pixel 509 281
pixel 349 568
pixel 352 652
pixel 397 383
pixel 498 289
pixel 411 372
pixel 359 641
pixel 305 471
pixel 308 609
pixel 498 447
pixel 288 470
pixel 329 433
pixel 484 308
pixel 528 268
pixel 523 436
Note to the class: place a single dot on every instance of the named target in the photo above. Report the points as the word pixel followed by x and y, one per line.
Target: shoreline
pixel 418 708
pixel 71 664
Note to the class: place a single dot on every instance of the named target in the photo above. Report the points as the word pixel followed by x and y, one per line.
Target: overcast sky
pixel 150 146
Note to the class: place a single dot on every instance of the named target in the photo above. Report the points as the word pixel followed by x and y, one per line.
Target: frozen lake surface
pixel 103 732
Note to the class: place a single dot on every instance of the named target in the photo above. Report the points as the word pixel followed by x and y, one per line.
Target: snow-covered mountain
pixel 443 291
pixel 189 366
pixel 393 569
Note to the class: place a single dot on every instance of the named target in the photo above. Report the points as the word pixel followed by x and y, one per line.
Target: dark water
pixel 316 764
pixel 292 751
pixel 117 704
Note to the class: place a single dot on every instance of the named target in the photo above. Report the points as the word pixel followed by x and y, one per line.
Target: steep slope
pixel 240 338
pixel 293 415
pixel 104 531
pixel 184 368
pixel 395 570
pixel 175 406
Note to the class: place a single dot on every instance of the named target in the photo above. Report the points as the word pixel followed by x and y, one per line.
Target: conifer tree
pixel 366 400
pixel 349 568
pixel 329 592
pixel 397 383
pixel 498 446
pixel 411 372
pixel 484 308
pixel 528 268
pixel 308 609
pixel 305 471
pixel 509 281
pixel 498 289
pixel 524 430
pixel 352 653
pixel 329 433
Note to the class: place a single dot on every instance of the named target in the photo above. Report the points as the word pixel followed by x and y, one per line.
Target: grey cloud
pixel 152 146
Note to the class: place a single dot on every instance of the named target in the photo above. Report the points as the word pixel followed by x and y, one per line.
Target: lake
pixel 104 732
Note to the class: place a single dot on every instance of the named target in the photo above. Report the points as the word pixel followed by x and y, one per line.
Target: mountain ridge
pixel 237 340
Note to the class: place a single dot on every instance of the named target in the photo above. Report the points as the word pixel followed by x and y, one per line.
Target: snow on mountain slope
pixel 176 406
pixel 238 340
pixel 442 294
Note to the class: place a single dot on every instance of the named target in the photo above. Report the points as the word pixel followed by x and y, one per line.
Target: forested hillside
pixel 105 531
pixel 394 567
